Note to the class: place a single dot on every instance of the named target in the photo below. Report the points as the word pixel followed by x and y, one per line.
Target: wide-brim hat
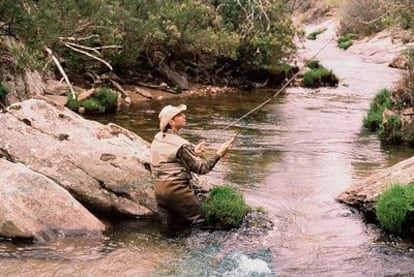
pixel 168 112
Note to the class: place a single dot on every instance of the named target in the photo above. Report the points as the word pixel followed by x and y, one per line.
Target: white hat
pixel 168 112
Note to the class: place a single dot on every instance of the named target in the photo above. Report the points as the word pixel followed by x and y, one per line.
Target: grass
pixel 314 34
pixel 382 101
pixel 345 41
pixel 225 208
pixel 394 207
pixel 104 100
pixel 319 76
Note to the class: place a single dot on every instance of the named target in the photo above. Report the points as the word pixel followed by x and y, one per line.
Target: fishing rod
pixel 267 101
pixel 290 80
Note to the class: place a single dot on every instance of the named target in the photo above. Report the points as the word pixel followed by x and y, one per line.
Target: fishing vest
pixel 164 162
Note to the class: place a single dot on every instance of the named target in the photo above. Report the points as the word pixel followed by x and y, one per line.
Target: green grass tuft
pixel 394 207
pixel 225 208
pixel 104 100
pixel 381 101
pixel 314 35
pixel 345 41
pixel 319 77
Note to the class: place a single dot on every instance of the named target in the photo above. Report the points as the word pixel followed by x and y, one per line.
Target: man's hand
pixel 200 148
pixel 225 147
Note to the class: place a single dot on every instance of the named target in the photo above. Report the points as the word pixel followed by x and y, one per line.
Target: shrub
pixel 345 41
pixel 381 101
pixel 104 100
pixel 319 77
pixel 394 207
pixel 314 35
pixel 312 64
pixel 390 132
pixel 225 207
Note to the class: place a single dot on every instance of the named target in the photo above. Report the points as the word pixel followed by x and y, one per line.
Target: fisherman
pixel 173 162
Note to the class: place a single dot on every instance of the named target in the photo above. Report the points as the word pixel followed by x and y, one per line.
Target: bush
pixel 394 207
pixel 381 101
pixel 319 77
pixel 390 132
pixel 312 64
pixel 345 41
pixel 104 100
pixel 225 208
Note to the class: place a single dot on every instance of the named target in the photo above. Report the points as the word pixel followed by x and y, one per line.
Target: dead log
pixel 143 93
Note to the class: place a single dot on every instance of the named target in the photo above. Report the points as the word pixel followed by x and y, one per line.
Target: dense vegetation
pixel 318 75
pixel 225 207
pixel 370 16
pixel 207 41
pixel 394 208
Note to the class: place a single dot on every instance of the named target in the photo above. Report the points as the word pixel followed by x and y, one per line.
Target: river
pixel 293 158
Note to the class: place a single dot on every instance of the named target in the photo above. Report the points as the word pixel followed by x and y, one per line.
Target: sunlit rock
pixel 34 206
pixel 73 152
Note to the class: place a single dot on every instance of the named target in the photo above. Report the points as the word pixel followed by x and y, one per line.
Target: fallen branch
pixel 88 54
pixel 59 66
pixel 119 88
pixel 84 47
pixel 143 93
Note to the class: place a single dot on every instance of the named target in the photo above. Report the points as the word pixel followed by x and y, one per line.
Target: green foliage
pixel 381 101
pixel 104 100
pixel 187 34
pixel 319 76
pixel 3 91
pixel 314 34
pixel 225 207
pixel 390 132
pixel 312 64
pixel 394 206
pixel 345 41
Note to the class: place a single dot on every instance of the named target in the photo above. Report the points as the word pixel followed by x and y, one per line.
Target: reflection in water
pixel 293 158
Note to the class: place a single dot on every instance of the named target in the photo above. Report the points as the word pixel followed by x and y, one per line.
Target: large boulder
pixel 364 194
pixel 33 206
pixel 103 166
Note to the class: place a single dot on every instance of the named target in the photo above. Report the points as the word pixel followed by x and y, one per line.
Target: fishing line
pixel 290 80
pixel 277 93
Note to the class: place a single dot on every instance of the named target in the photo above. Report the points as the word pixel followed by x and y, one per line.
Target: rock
pixel 401 62
pixel 363 195
pixel 22 86
pixel 177 79
pixel 33 206
pixel 58 99
pixel 54 87
pixel 61 145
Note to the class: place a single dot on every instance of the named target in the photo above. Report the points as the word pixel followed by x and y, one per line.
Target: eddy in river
pixel 173 160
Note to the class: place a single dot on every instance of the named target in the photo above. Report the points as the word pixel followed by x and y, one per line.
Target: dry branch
pixel 59 66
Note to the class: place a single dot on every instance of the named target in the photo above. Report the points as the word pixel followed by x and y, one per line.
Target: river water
pixel 293 158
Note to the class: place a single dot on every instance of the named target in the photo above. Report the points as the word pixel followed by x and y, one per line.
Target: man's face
pixel 178 121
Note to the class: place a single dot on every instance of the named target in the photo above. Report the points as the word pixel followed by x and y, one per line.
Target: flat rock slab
pixel 364 194
pixel 33 206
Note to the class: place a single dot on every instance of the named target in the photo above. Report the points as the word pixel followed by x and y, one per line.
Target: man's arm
pixel 193 162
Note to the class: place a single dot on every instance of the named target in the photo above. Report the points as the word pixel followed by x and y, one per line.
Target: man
pixel 173 159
